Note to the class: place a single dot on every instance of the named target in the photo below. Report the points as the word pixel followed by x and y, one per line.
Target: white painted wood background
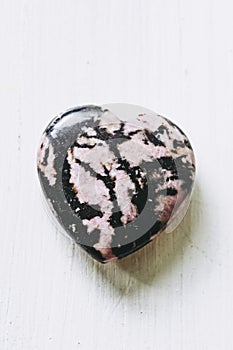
pixel 171 56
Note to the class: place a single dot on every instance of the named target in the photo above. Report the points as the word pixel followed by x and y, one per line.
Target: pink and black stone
pixel 114 178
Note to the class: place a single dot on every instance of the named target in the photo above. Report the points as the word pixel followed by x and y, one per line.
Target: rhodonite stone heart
pixel 114 181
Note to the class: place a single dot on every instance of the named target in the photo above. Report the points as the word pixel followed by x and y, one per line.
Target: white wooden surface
pixel 174 57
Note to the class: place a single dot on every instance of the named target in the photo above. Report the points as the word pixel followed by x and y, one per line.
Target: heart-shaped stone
pixel 115 177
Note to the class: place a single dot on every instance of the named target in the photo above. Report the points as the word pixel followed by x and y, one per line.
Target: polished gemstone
pixel 115 176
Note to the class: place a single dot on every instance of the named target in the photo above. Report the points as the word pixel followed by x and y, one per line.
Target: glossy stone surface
pixel 113 180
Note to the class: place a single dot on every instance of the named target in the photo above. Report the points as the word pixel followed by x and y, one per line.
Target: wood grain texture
pixel 171 56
